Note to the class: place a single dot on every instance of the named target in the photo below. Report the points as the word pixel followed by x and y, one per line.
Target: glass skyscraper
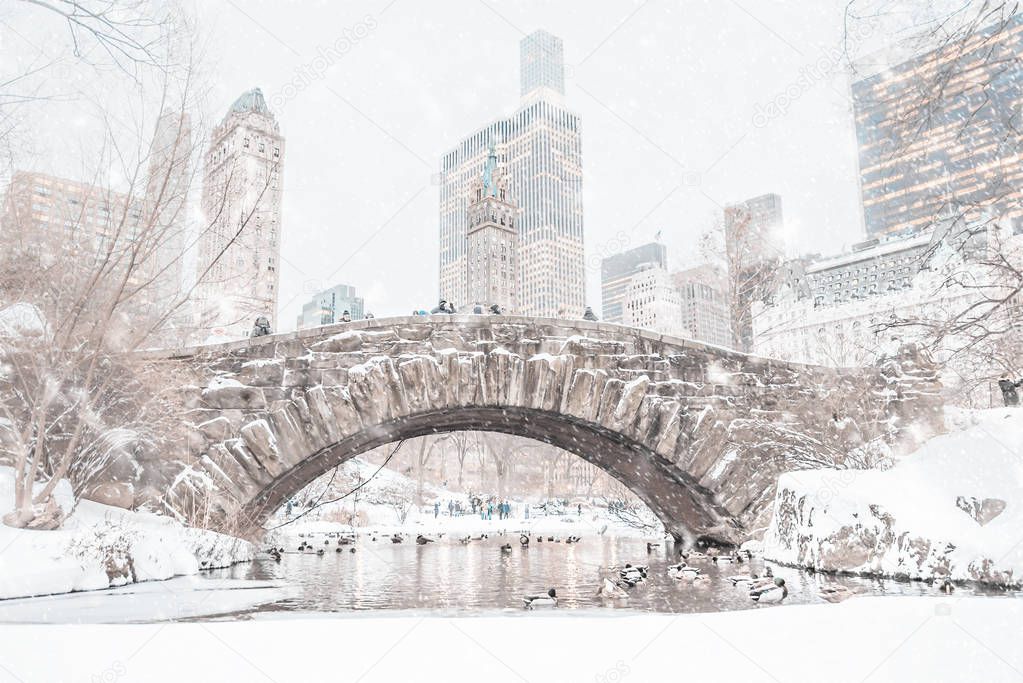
pixel 541 63
pixel 616 273
pixel 940 133
pixel 540 148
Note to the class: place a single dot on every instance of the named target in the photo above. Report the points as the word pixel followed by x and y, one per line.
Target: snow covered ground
pixel 953 508
pixel 863 639
pixel 100 546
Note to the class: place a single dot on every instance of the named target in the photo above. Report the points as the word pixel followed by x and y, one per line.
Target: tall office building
pixel 493 242
pixel 941 132
pixel 703 291
pixel 167 189
pixel 540 149
pixel 239 250
pixel 754 249
pixel 541 63
pixel 616 272
pixel 329 306
pixel 652 302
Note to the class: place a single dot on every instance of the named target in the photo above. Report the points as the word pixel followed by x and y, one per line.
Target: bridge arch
pixel 698 432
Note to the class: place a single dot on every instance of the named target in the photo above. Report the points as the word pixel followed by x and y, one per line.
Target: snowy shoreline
pixel 877 638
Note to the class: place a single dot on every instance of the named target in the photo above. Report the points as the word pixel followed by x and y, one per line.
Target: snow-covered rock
pixel 953 508
pixel 99 546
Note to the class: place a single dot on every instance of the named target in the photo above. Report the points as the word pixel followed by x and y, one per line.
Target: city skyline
pixel 675 181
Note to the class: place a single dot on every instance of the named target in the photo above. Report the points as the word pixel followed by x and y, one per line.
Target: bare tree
pixel 98 280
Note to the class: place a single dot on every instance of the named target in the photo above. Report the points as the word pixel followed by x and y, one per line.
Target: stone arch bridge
pixel 698 432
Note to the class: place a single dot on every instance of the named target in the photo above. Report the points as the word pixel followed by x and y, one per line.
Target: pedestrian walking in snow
pixel 1010 397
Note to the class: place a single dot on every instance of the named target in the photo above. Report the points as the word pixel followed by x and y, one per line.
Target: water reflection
pixel 452 577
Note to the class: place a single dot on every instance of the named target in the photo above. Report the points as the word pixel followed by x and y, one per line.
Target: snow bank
pixel 953 508
pixel 101 546
pixel 875 639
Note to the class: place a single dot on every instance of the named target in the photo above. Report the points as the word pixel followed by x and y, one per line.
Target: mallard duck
pixel 465 540
pixel 351 550
pixel 771 594
pixel 946 586
pixel 423 540
pixel 549 600
pixel 396 538
pixel 722 559
pixel 320 551
pixel 609 589
pixel 743 581
pixel 835 592
pixel 339 549
pixel 539 539
pixel 506 548
pixel 524 540
pixel 686 573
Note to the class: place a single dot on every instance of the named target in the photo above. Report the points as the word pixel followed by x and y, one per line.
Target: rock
pixel 982 511
pixel 217 429
pixel 234 396
pixel 115 494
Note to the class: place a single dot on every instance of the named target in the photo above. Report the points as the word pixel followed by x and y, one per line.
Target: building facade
pixel 754 248
pixel 616 272
pixel 703 293
pixel 492 262
pixel 239 247
pixel 540 149
pixel 942 128
pixel 329 306
pixel 652 302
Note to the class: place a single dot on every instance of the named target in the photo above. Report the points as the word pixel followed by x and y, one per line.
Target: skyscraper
pixel 616 272
pixel 493 242
pixel 239 249
pixel 940 133
pixel 652 302
pixel 703 291
pixel 328 307
pixel 541 63
pixel 540 149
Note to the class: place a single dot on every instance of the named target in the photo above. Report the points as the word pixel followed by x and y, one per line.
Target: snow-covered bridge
pixel 697 432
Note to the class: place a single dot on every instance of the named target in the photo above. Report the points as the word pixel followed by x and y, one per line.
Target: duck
pixel 722 559
pixel 539 539
pixel 612 590
pixel 465 540
pixel 686 573
pixel 835 592
pixel 574 539
pixel 396 538
pixel 423 540
pixel 320 551
pixel 352 550
pixel 743 581
pixel 339 549
pixel 506 548
pixel 946 586
pixel 548 600
pixel 771 594
pixel 275 554
pixel 550 539
pixel 524 540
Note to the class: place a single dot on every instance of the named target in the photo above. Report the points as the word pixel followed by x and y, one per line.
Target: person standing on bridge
pixel 1010 397
pixel 261 328
pixel 589 314
pixel 346 317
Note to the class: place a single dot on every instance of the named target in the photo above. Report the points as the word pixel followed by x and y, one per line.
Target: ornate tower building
pixel 492 263
pixel 240 247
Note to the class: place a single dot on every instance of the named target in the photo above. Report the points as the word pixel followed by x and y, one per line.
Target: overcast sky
pixel 674 99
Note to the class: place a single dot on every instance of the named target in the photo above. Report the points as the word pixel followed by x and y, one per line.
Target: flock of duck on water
pixel 763 589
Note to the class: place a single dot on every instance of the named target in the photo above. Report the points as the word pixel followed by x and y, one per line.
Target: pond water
pixel 450 577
